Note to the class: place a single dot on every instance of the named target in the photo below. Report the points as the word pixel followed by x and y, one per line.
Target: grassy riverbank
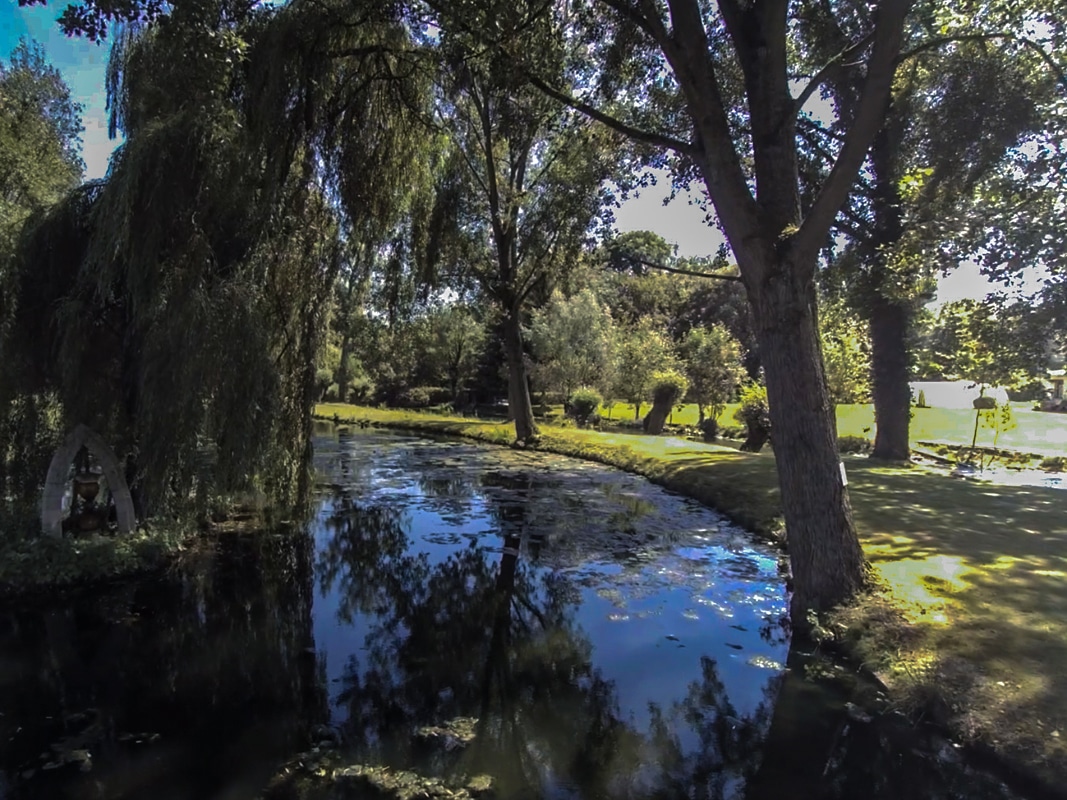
pixel 43 564
pixel 971 625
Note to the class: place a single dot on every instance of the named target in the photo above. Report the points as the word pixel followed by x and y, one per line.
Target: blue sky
pixel 82 64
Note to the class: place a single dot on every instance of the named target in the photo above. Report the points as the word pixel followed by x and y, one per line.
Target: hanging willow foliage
pixel 178 306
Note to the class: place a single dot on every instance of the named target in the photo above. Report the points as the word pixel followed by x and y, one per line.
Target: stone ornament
pixel 56 483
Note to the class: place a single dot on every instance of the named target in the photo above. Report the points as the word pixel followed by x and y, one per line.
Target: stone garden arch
pixel 55 485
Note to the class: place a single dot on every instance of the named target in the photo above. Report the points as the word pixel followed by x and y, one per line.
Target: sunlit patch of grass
pixel 969 621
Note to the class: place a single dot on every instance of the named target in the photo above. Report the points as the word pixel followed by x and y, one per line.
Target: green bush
pixel 360 390
pixel 984 403
pixel 754 409
pixel 415 397
pixel 584 403
pixel 853 444
pixel 1054 464
pixel 332 393
pixel 731 432
pixel 323 379
pixel 668 387
pixel 552 398
pixel 921 400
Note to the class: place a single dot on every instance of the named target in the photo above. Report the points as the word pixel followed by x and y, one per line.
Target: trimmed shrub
pixel 710 429
pixel 1054 464
pixel 755 414
pixel 583 404
pixel 921 401
pixel 415 397
pixel 731 432
pixel 360 390
pixel 984 403
pixel 323 379
pixel 853 444
pixel 668 387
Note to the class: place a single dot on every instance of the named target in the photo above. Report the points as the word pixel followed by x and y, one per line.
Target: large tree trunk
pixel 827 562
pixel 889 380
pixel 519 404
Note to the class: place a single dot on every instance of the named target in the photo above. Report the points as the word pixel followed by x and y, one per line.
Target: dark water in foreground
pixel 604 638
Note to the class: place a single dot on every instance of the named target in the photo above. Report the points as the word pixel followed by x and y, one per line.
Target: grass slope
pixel 972 624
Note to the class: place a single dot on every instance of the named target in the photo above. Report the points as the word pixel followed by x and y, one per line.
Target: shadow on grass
pixel 988 566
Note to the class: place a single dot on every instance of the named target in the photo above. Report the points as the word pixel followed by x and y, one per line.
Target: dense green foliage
pixel 713 365
pixel 583 404
pixel 574 341
pixel 189 290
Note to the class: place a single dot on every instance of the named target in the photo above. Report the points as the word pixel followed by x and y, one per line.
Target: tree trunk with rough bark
pixel 656 417
pixel 520 406
pixel 827 562
pixel 889 381
pixel 777 241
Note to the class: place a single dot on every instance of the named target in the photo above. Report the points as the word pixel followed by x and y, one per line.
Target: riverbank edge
pixel 753 507
pixel 40 566
pixel 752 504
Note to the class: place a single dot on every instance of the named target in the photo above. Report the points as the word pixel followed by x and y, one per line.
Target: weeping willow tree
pixel 178 306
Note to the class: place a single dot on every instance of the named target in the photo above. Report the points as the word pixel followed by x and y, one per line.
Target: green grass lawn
pixel 1034 431
pixel 973 620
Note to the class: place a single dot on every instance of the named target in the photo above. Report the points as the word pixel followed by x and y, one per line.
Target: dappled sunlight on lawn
pixel 926 582
pixel 985 566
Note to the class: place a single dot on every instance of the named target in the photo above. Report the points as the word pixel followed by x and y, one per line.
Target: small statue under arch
pixel 86 485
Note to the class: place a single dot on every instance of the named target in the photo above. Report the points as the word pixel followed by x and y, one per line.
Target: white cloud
pixel 681 222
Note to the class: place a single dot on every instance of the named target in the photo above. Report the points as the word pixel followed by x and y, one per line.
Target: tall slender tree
pixel 528 179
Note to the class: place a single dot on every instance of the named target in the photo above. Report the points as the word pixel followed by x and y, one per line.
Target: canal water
pixel 561 629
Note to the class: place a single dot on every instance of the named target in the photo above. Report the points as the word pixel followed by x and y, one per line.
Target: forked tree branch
pixel 881 67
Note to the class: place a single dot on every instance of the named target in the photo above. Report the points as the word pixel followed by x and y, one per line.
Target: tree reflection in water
pixel 211 668
pixel 484 633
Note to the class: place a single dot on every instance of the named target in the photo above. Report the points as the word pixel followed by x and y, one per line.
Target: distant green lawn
pixel 1034 431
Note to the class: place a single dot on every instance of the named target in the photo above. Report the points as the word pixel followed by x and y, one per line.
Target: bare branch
pixel 849 52
pixel 647 137
pixel 679 271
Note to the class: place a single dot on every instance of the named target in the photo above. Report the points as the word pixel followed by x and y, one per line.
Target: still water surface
pixel 599 636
